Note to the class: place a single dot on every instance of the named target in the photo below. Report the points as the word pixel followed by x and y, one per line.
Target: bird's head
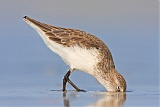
pixel 113 81
pixel 117 81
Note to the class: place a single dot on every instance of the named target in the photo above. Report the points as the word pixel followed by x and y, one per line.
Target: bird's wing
pixel 66 36
pixel 72 37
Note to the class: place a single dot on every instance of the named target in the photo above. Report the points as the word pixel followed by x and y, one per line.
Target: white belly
pixel 76 57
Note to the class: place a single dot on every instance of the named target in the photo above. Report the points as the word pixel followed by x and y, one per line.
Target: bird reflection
pixel 65 100
pixel 111 99
pixel 106 99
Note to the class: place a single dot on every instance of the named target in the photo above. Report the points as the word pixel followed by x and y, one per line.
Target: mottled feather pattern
pixel 71 37
pixel 81 51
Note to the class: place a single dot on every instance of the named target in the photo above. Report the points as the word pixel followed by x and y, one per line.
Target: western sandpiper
pixel 81 51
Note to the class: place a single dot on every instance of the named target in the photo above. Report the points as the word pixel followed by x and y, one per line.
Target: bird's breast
pixel 81 58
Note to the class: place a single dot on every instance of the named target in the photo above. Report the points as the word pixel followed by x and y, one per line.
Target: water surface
pixel 38 84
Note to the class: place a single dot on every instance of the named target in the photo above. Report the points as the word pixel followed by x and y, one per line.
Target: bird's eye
pixel 118 88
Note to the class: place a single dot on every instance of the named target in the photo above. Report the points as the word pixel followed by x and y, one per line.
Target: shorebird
pixel 81 51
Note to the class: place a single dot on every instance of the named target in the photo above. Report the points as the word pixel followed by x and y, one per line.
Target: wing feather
pixel 72 37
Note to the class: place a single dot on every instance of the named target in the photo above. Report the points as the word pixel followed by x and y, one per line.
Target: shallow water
pixel 39 84
pixel 72 98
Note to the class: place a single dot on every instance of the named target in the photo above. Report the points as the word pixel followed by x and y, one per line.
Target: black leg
pixel 66 79
pixel 69 81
